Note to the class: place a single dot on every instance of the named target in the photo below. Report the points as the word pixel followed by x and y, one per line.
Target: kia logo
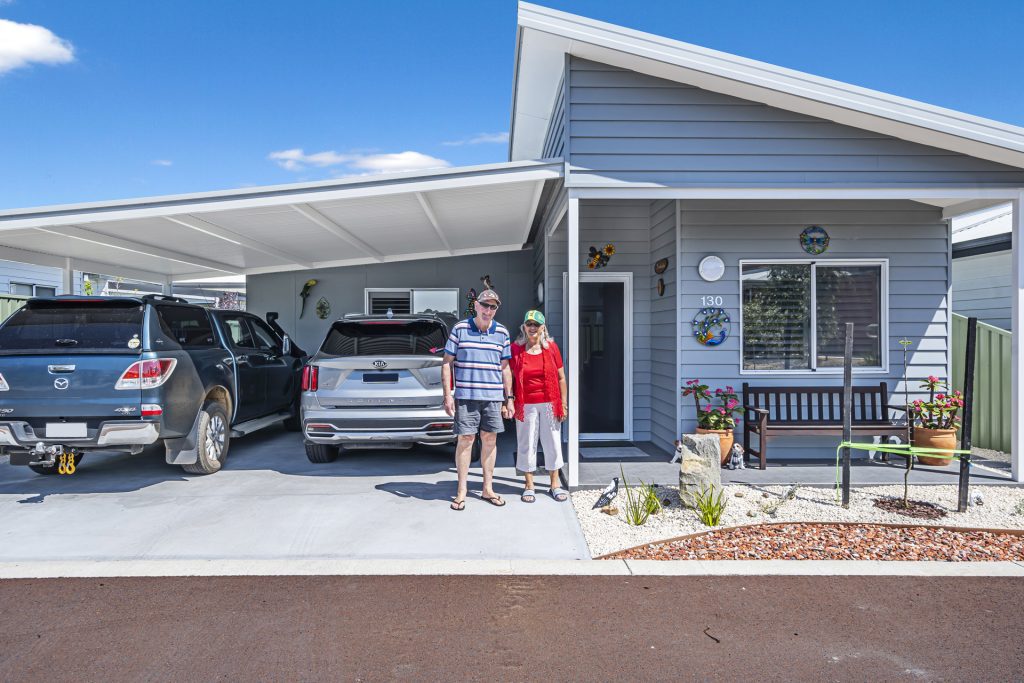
pixel 380 364
pixel 61 383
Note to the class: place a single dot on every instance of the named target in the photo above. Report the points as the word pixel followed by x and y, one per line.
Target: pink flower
pixel 707 409
pixel 731 403
pixel 718 392
pixel 940 396
pixel 729 389
pixel 722 411
pixel 933 378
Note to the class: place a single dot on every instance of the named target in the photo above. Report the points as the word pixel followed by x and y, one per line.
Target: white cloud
pixel 298 160
pixel 162 162
pixel 480 139
pixel 24 44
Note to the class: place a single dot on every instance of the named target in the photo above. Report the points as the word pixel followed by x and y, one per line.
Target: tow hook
pixel 48 456
pixel 67 464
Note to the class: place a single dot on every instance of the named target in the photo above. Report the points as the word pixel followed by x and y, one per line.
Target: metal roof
pixel 367 219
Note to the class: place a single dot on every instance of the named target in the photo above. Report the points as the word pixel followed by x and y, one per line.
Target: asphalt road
pixel 495 628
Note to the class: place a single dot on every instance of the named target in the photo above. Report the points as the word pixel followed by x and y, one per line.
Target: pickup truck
pixel 85 373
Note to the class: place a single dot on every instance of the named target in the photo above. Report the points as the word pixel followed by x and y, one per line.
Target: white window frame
pixel 410 290
pixel 32 286
pixel 883 334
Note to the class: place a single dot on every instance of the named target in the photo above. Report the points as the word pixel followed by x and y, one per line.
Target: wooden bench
pixel 803 411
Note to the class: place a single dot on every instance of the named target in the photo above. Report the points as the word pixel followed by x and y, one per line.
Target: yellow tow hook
pixel 67 464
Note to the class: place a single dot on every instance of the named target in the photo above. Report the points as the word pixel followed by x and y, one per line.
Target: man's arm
pixel 446 384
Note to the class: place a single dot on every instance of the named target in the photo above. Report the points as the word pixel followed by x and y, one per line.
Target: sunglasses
pixel 489 307
pixel 532 324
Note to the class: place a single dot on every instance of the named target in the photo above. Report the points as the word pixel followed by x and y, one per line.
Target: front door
pixel 605 356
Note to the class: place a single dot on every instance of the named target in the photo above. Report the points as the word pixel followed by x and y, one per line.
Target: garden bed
pixel 1001 508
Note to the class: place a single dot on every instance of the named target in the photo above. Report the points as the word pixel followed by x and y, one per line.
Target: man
pixel 479 349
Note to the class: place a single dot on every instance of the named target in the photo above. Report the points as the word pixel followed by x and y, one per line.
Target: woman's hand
pixel 565 412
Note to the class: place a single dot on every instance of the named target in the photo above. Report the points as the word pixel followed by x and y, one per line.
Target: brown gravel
pixel 918 509
pixel 835 542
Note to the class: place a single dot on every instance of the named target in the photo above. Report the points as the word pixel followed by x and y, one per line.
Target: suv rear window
pixel 385 338
pixel 74 327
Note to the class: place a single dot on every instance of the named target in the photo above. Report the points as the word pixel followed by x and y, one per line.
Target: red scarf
pixel 552 391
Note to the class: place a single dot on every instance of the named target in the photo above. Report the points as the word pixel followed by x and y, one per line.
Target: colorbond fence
pixel 9 303
pixel 992 385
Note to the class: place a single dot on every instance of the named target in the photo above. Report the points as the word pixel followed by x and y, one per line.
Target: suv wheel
pixel 43 469
pixel 213 440
pixel 320 453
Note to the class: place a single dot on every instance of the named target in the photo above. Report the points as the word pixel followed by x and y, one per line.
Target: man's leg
pixel 487 458
pixel 462 455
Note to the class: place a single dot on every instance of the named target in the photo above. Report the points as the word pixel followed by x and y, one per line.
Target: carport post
pixel 1017 341
pixel 167 286
pixel 573 329
pixel 67 279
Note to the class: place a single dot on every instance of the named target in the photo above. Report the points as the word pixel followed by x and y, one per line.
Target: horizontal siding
pixel 29 274
pixel 554 139
pixel 911 236
pixel 981 288
pixel 626 127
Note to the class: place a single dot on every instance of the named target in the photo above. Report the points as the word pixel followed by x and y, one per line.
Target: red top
pixel 549 360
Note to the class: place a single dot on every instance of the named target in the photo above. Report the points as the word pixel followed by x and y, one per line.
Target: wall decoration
pixel 486 279
pixel 304 294
pixel 323 308
pixel 661 287
pixel 660 266
pixel 470 300
pixel 711 326
pixel 711 268
pixel 599 259
pixel 814 240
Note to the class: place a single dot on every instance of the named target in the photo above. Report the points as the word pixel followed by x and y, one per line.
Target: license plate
pixel 66 430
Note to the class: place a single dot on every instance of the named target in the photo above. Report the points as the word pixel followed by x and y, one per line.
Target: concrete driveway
pixel 270 502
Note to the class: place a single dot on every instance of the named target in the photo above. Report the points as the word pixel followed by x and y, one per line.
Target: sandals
pixel 494 500
pixel 458 505
pixel 528 496
pixel 559 494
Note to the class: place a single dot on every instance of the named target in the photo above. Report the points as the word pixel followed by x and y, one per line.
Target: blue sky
pixel 122 98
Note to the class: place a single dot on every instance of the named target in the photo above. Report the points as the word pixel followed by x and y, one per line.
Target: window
pixel 401 301
pixel 25 289
pixel 240 336
pixel 73 327
pixel 187 325
pixel 795 314
pixel 265 337
pixel 46 291
pixel 383 338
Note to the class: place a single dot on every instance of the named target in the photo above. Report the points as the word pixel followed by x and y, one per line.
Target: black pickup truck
pixel 83 373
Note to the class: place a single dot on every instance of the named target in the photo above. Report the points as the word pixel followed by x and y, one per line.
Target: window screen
pixel 776 317
pixel 849 294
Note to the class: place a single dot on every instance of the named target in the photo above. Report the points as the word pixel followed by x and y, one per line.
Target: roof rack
pixel 165 297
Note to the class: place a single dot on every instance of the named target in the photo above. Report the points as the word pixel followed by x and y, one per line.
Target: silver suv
pixel 376 383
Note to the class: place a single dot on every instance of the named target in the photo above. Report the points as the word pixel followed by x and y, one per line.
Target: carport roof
pixel 368 219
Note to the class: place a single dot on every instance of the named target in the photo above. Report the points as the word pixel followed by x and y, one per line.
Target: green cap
pixel 534 316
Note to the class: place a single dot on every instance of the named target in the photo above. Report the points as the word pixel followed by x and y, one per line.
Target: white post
pixel 167 287
pixel 1017 342
pixel 573 329
pixel 68 277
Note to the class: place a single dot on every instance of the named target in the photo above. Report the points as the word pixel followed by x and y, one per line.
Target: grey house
pixel 729 188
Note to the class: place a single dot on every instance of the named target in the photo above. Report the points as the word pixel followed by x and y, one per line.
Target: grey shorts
pixel 475 416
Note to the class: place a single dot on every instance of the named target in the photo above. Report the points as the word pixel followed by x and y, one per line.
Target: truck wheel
pixel 320 453
pixel 212 442
pixel 42 469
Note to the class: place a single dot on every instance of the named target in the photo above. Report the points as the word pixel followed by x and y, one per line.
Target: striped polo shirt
pixel 478 357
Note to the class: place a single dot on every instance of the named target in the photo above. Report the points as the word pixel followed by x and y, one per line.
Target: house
pixel 982 268
pixel 752 210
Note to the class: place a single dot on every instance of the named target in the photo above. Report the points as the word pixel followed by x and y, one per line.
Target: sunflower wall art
pixel 598 259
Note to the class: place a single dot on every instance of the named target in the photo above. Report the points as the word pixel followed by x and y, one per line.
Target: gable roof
pixel 545 36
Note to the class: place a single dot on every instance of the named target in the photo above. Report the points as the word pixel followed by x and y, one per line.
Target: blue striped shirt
pixel 478 357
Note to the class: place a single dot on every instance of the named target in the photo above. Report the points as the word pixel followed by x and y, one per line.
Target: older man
pixel 479 348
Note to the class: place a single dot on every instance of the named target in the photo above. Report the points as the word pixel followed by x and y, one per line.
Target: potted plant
pixel 715 419
pixel 936 421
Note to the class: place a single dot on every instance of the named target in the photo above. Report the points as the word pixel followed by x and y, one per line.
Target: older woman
pixel 540 403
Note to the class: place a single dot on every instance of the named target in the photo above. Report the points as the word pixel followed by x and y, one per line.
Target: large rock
pixel 700 467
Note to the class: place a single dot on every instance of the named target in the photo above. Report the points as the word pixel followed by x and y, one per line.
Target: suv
pixel 376 383
pixel 111 373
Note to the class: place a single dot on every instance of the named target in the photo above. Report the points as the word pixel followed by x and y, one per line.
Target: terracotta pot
pixel 935 438
pixel 725 441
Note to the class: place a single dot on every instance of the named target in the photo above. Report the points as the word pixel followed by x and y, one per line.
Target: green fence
pixel 992 385
pixel 9 303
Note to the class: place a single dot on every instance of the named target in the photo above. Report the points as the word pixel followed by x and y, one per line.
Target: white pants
pixel 539 423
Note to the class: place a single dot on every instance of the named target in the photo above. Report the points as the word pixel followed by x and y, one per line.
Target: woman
pixel 538 381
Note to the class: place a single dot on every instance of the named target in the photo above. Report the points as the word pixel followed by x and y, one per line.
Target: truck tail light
pixel 152 410
pixel 3 384
pixel 310 378
pixel 146 374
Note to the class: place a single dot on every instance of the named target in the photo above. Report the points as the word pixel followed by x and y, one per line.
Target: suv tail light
pixel 3 384
pixel 146 374
pixel 310 378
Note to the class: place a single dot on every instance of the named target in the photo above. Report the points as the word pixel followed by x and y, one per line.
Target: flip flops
pixel 458 505
pixel 559 494
pixel 494 500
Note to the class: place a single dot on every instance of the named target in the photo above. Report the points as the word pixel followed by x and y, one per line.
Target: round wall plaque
pixel 711 268
pixel 814 240
pixel 660 266
pixel 711 326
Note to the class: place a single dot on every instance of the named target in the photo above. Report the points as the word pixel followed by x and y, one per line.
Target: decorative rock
pixel 700 467
pixel 739 494
pixel 609 510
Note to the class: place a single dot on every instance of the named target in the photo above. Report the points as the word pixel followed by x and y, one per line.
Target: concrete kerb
pixel 385 567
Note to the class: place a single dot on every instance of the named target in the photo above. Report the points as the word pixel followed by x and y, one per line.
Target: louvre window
pixel 795 315
pixel 444 302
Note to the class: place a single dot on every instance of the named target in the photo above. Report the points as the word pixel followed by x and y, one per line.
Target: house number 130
pixel 711 301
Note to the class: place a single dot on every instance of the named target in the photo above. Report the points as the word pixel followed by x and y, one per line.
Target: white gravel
pixel 1001 508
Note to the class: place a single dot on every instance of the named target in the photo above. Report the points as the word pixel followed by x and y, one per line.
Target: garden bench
pixel 803 411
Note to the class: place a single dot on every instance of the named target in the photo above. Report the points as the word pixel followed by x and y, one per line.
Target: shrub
pixel 641 504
